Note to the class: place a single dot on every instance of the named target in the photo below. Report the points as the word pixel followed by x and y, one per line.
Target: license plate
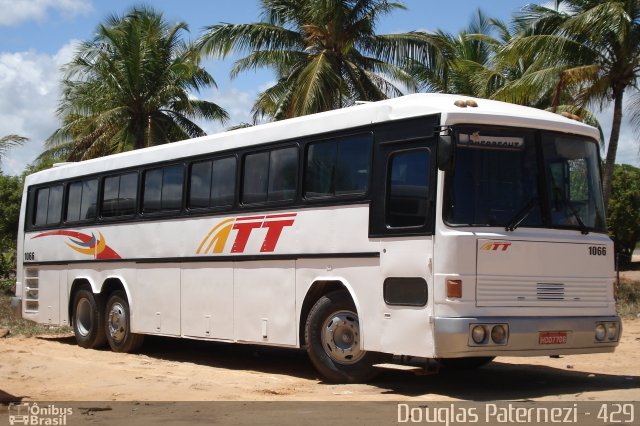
pixel 553 337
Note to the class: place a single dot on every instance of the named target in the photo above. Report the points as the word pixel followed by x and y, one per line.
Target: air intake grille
pixel 495 290
pixel 31 290
pixel 550 291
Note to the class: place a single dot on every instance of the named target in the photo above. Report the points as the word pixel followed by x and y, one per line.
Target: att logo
pixel 215 241
pixel 496 246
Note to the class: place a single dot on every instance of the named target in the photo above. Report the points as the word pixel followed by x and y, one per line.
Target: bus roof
pixel 421 104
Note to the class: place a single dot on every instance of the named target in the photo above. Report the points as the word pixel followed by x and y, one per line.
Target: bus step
pixel 425 370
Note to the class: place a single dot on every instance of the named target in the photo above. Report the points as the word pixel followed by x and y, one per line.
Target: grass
pixel 628 298
pixel 19 326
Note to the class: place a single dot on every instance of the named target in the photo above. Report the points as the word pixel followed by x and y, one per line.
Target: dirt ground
pixel 55 369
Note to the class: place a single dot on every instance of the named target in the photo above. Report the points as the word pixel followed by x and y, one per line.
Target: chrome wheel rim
pixel 117 322
pixel 341 337
pixel 84 320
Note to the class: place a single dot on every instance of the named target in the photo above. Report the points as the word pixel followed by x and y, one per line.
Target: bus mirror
pixel 445 153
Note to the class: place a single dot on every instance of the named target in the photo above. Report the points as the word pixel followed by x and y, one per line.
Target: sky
pixel 37 37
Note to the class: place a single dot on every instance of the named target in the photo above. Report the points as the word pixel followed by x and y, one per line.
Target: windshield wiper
pixel 583 228
pixel 521 215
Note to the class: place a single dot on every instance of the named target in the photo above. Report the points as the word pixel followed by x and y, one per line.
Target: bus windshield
pixel 514 177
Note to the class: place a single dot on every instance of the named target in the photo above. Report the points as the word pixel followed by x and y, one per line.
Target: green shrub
pixel 628 298
pixel 7 286
pixel 623 215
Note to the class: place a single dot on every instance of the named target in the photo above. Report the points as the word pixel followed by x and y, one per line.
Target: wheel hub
pixel 341 337
pixel 117 322
pixel 83 317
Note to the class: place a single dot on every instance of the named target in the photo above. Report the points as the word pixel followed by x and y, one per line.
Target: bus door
pixel 402 217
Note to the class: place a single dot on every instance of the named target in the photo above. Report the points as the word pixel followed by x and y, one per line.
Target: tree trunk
pixel 139 141
pixel 613 147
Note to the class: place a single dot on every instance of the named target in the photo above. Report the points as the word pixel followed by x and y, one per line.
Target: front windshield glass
pixel 573 182
pixel 497 180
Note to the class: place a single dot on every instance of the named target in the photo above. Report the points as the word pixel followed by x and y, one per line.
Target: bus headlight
pixel 612 331
pixel 478 334
pixel 601 332
pixel 499 334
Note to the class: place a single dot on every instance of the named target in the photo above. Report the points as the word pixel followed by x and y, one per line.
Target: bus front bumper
pixel 525 336
pixel 16 307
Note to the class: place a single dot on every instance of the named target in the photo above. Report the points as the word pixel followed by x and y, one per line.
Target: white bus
pixel 427 227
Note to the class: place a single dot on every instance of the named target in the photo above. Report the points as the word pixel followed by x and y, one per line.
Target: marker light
pixel 478 334
pixel 601 332
pixel 463 103
pixel 454 289
pixel 571 116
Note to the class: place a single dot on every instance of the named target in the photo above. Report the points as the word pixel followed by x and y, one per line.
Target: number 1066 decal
pixel 598 251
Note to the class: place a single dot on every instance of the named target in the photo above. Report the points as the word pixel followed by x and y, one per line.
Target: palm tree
pixel 588 50
pixel 325 54
pixel 464 63
pixel 129 88
pixel 10 141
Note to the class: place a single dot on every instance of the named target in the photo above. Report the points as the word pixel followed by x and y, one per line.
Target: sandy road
pixel 55 369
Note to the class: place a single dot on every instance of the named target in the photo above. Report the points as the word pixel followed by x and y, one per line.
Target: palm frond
pixel 10 141
pixel 220 40
pixel 122 89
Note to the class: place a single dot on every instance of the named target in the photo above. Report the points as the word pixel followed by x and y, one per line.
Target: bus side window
pixel 54 212
pixel 119 195
pixel 48 206
pixel 270 176
pixel 42 203
pixel 163 189
pixel 212 183
pixel 408 189
pixel 255 178
pixel 82 197
pixel 337 167
pixel 223 182
pixel 283 173
pixel 352 165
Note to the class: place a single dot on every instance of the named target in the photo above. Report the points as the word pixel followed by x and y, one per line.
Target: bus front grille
pixel 530 291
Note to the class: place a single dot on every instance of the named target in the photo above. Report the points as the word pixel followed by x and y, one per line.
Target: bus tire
pixel 118 325
pixel 332 333
pixel 468 363
pixel 87 319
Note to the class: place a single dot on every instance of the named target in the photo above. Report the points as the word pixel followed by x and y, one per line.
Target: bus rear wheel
pixel 118 325
pixel 332 333
pixel 88 325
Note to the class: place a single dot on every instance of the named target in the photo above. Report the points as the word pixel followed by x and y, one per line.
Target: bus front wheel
pixel 88 325
pixel 332 333
pixel 118 325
